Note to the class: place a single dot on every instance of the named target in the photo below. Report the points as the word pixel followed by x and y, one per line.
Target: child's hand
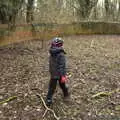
pixel 63 79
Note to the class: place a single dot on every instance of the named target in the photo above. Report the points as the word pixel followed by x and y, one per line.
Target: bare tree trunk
pixel 30 9
pixel 85 7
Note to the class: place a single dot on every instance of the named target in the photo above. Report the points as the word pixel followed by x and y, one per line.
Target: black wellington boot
pixel 48 102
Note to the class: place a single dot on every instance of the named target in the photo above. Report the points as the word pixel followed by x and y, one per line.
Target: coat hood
pixel 56 50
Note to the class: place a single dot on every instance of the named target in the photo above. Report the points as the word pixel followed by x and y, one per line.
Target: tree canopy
pixel 53 10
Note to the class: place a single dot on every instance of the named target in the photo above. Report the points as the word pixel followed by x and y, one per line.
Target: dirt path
pixel 94 66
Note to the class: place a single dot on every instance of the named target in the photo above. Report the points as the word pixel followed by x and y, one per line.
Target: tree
pixel 9 10
pixel 30 9
pixel 112 9
pixel 85 7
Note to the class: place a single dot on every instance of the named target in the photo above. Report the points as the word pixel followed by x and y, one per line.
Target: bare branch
pixel 47 108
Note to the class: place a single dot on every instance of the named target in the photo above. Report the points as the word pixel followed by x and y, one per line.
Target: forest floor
pixel 94 80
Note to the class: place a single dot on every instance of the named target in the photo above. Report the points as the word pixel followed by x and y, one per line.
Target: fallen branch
pixel 104 94
pixel 8 99
pixel 101 94
pixel 47 109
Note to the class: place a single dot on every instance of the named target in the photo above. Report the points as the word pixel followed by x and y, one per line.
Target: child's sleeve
pixel 61 64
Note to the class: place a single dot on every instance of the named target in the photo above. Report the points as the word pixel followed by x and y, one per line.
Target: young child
pixel 57 69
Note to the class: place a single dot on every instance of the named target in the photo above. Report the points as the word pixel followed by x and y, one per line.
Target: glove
pixel 63 79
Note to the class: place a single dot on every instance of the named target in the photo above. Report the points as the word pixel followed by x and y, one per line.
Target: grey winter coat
pixel 57 62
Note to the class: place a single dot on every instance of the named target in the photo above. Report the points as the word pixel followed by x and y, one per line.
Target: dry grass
pixel 19 36
pixel 44 32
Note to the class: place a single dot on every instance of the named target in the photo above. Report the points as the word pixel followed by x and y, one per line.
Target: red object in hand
pixel 63 79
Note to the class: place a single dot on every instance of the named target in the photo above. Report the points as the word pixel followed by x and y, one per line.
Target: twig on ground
pixel 44 113
pixel 47 108
pixel 103 94
pixel 92 43
pixel 8 99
